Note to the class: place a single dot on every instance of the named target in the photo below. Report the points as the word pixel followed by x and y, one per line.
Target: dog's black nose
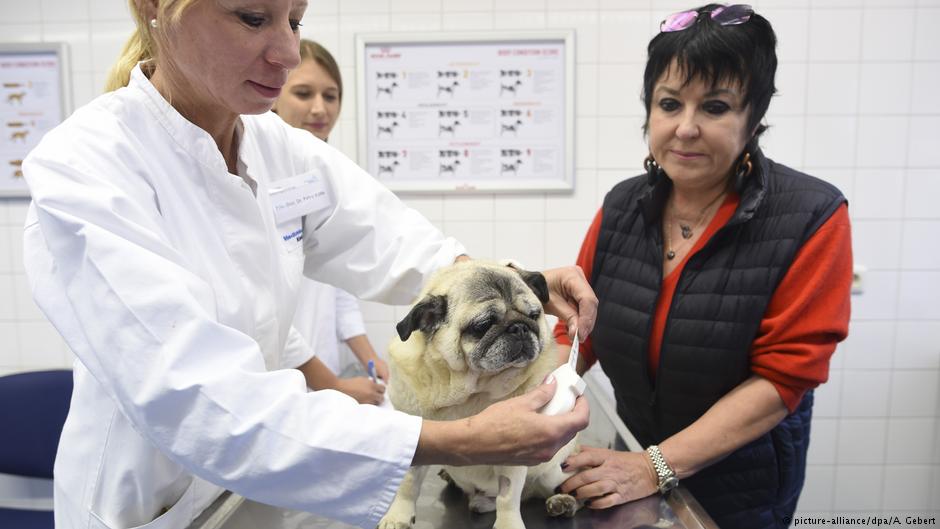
pixel 517 328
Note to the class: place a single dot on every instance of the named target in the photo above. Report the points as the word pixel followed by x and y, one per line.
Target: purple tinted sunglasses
pixel 723 15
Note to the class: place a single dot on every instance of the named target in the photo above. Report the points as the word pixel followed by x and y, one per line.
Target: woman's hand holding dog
pixel 606 478
pixel 509 432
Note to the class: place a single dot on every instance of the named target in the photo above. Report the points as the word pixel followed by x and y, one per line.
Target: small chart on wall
pixel 467 112
pixel 35 96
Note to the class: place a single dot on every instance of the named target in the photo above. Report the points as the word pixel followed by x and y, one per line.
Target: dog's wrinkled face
pixel 500 328
pixel 489 316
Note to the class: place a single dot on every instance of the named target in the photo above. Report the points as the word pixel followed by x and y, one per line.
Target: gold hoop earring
pixel 744 168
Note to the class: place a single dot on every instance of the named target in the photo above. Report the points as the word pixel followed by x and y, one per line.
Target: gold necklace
pixel 686 230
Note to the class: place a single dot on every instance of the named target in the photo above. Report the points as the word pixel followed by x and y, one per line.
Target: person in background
pixel 171 221
pixel 724 280
pixel 311 99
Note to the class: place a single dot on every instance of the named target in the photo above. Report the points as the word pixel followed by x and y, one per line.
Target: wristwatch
pixel 665 474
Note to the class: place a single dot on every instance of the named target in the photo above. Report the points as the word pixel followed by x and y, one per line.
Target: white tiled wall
pixel 857 106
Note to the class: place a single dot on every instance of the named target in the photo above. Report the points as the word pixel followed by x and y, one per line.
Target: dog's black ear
pixel 536 282
pixel 426 317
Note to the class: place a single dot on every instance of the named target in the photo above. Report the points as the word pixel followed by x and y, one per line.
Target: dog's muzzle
pixel 521 342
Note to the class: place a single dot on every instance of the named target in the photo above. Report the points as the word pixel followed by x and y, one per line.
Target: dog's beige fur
pixel 433 375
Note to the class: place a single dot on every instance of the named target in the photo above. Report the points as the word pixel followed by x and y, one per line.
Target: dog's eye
pixel 535 313
pixel 479 328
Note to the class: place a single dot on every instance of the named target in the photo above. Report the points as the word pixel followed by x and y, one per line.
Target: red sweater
pixel 807 315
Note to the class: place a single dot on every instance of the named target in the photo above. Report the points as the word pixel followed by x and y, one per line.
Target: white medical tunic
pixel 175 288
pixel 325 317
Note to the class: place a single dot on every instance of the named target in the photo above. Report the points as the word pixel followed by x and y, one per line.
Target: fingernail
pixel 549 379
pixel 564 466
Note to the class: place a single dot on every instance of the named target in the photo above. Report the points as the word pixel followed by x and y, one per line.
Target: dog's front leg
pixel 401 514
pixel 551 476
pixel 511 482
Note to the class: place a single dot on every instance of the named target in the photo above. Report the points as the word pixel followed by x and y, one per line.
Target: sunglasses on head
pixel 723 15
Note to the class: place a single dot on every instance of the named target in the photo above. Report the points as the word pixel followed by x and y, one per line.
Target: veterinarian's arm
pixel 510 432
pixel 392 248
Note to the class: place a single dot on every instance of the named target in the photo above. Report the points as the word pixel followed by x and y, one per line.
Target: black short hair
pixel 743 53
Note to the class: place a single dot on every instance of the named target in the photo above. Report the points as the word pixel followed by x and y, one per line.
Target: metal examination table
pixel 443 507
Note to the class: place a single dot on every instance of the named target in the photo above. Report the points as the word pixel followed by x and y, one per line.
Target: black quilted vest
pixel 719 303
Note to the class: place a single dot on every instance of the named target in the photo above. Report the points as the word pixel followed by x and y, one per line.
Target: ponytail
pixel 135 50
pixel 141 46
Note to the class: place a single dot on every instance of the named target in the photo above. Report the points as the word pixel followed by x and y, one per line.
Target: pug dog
pixel 477 335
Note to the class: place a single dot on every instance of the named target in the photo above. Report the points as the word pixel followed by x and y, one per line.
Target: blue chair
pixel 33 407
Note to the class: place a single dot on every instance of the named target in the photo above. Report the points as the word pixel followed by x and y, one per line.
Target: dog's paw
pixel 561 505
pixel 390 522
pixel 401 515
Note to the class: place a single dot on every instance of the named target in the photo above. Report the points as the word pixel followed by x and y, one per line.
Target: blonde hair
pixel 142 45
pixel 311 50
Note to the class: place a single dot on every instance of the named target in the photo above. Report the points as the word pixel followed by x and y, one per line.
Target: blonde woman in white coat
pixel 164 243
pixel 311 99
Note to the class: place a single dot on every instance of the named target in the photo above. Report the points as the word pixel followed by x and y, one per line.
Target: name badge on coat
pixel 292 199
pixel 298 196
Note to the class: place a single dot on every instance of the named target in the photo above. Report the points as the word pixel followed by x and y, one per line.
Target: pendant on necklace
pixel 670 255
pixel 686 231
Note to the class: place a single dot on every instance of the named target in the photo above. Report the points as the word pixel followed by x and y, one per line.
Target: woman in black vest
pixel 724 281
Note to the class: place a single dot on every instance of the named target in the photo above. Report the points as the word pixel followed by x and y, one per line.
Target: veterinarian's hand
pixel 571 299
pixel 509 432
pixel 607 477
pixel 362 389
pixel 514 432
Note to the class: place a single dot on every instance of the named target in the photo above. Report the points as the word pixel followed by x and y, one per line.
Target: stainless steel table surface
pixel 441 506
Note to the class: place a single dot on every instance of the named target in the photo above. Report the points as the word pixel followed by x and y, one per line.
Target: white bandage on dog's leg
pixel 511 482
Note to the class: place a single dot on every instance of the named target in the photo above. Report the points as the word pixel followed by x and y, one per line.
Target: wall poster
pixel 35 96
pixel 467 112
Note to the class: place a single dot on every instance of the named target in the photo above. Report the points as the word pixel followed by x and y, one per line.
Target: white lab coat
pixel 326 316
pixel 171 282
